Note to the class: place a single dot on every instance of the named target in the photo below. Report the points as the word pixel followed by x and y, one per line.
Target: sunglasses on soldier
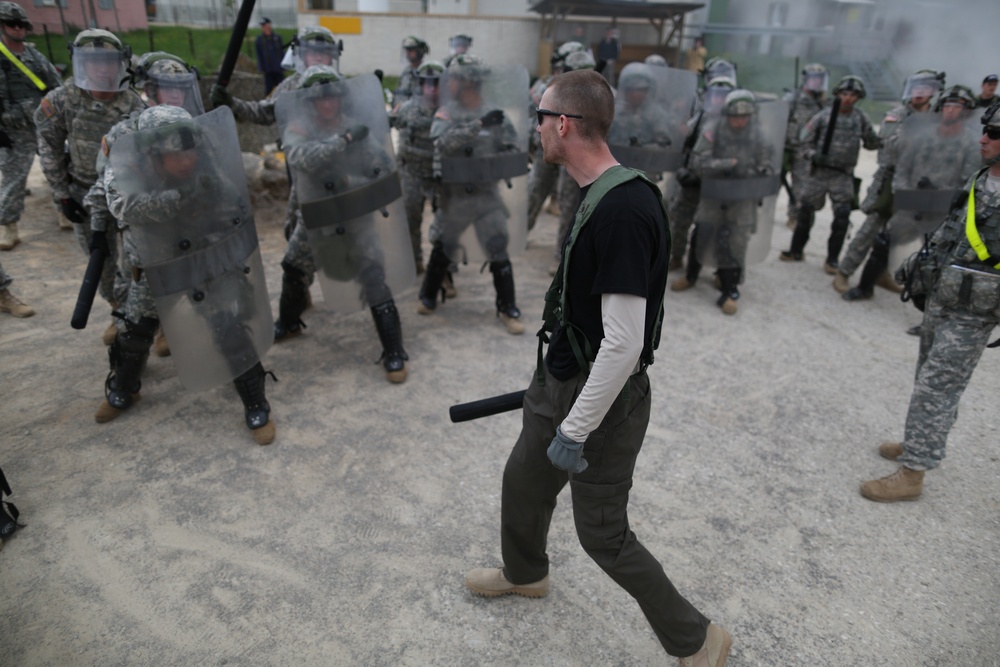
pixel 20 25
pixel 992 132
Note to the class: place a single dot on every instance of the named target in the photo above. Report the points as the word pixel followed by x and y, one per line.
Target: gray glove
pixel 566 454
pixel 220 96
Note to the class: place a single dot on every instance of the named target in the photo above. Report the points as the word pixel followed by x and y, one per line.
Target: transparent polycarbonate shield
pixel 102 70
pixel 484 185
pixel 179 90
pixel 737 204
pixel 189 218
pixel 337 143
pixel 935 155
pixel 651 113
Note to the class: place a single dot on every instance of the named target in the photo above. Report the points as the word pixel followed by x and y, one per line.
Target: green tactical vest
pixel 556 311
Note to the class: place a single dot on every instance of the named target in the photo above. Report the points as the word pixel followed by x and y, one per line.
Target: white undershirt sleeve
pixel 624 319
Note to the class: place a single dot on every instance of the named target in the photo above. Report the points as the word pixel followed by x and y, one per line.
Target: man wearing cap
pixel 269 56
pixel 989 95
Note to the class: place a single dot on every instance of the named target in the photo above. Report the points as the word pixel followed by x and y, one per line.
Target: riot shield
pixel 651 113
pixel 484 184
pixel 189 217
pixel 735 216
pixel 348 190
pixel 934 158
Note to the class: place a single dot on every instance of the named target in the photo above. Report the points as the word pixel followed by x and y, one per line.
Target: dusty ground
pixel 168 538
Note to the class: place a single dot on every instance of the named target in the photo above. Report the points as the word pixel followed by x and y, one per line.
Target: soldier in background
pixel 933 153
pixel 918 93
pixel 9 303
pixel 416 152
pixel 458 45
pixel 803 104
pixel 833 169
pixel 989 91
pixel 957 281
pixel 77 116
pixel 414 49
pixel 25 76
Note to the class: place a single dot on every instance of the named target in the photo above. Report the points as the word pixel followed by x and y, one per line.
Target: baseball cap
pixel 992 78
pixel 265 20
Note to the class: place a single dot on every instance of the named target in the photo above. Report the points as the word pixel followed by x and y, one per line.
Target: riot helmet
pixel 716 67
pixel 921 87
pixel 100 61
pixel 851 83
pixel 12 14
pixel 465 75
pixel 166 79
pixel 815 78
pixel 414 49
pixel 429 75
pixel 739 102
pixel 171 138
pixel 579 60
pixel 657 60
pixel 716 92
pixel 315 45
pixel 459 44
pixel 957 94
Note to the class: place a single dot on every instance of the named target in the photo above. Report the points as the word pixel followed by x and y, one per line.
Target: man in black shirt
pixel 585 414
pixel 989 91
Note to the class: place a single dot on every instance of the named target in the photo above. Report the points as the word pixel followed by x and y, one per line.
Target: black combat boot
pixel 874 267
pixel 390 333
pixel 127 356
pixel 838 232
pixel 250 386
pixel 437 271
pixel 293 302
pixel 800 237
pixel 503 283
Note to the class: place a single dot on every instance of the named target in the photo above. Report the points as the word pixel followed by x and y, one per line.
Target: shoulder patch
pixel 442 114
pixel 105 148
pixel 890 118
pixel 708 134
pixel 47 109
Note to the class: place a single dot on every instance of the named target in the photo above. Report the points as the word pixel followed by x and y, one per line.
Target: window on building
pixel 321 4
pixel 105 4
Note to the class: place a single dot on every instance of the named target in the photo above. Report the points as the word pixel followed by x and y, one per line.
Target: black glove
pixel 633 141
pixel 356 133
pixel 925 184
pixel 99 241
pixel 687 178
pixel 492 119
pixel 220 96
pixel 73 211
pixel 379 73
pixel 5 141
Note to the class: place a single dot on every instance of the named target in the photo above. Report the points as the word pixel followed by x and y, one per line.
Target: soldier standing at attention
pixel 78 115
pixel 25 76
pixel 958 282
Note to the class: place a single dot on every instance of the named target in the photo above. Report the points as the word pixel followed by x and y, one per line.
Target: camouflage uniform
pixel 416 156
pixel 961 312
pixel 875 206
pixel 408 86
pixel 544 176
pixel 20 98
pixel 835 178
pixel 802 106
pixel 642 126
pixel 71 116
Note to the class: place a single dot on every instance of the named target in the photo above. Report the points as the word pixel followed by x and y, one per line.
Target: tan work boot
pixel 714 652
pixel 681 284
pixel 840 282
pixel 109 335
pixel 106 412
pixel 265 434
pixel 449 286
pixel 904 484
pixel 64 222
pixel 161 347
pixel 11 304
pixel 890 450
pixel 513 324
pixel 491 583
pixel 886 281
pixel 8 236
pixel 729 306
pixel 830 269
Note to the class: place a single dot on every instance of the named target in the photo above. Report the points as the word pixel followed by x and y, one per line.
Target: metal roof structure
pixel 659 14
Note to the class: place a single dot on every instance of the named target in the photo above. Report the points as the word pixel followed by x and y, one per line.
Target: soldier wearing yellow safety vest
pixel 25 76
pixel 955 278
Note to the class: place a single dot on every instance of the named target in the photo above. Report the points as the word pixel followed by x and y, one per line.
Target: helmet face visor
pixel 101 70
pixel 316 52
pixel 817 82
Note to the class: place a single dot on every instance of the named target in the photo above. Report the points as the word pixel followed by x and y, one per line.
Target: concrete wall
pixel 119 16
pixel 215 13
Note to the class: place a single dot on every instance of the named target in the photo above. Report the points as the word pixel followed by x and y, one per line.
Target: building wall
pixel 79 14
pixel 215 13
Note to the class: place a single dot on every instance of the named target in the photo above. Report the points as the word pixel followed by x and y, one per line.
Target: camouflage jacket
pixel 416 148
pixel 19 97
pixel 261 112
pixel 851 131
pixel 802 106
pixel 722 152
pixel 408 86
pixel 458 132
pixel 96 201
pixel 935 161
pixel 644 126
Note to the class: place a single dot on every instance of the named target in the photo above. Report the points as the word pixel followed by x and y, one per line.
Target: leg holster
pixel 127 356
pixel 807 215
pixel 293 302
pixel 250 386
pixel 838 232
pixel 437 269
pixel 503 283
pixel 390 333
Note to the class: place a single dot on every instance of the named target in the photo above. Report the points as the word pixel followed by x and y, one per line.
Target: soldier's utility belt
pixel 971 286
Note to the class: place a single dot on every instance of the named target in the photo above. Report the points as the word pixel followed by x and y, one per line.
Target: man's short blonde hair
pixel 585 93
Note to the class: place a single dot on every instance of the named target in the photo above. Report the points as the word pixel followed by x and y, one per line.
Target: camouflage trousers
pixel 951 343
pixel 15 163
pixel 862 243
pixel 541 183
pixel 681 210
pixel 568 196
pixel 5 279
pixel 484 210
pixel 139 301
pixel 814 188
pixel 418 188
pixel 798 172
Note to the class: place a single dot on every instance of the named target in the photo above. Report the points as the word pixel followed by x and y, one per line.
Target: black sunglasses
pixel 542 113
pixel 992 132
pixel 16 24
